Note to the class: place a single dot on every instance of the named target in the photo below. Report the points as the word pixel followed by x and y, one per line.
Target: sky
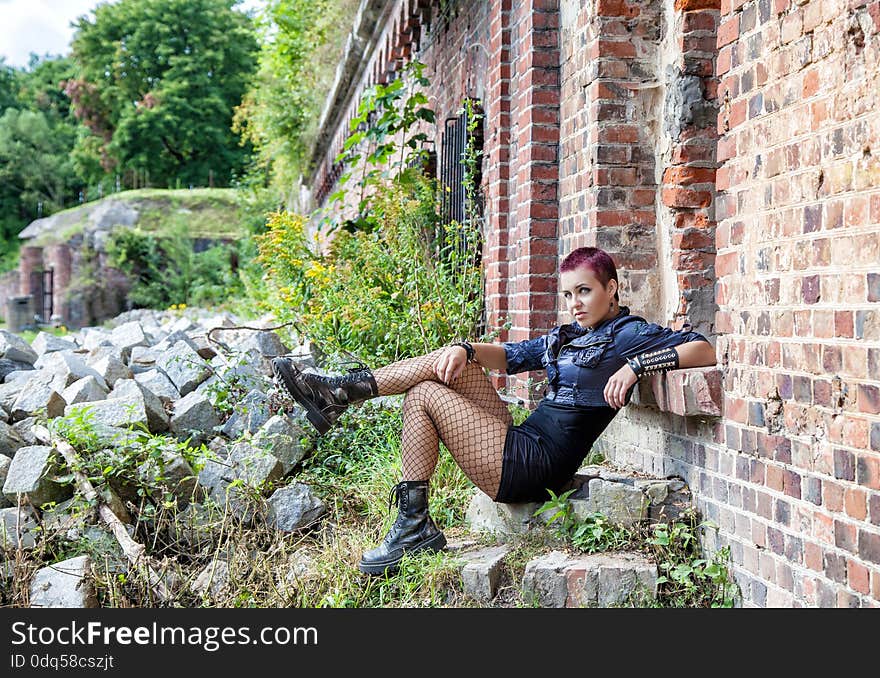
pixel 43 26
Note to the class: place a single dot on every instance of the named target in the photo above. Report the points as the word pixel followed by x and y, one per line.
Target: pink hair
pixel 598 261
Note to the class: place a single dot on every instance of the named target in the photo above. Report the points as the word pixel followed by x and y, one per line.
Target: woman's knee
pixel 420 395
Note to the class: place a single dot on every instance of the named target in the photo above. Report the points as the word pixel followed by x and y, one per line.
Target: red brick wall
pixel 58 257
pixel 728 155
pixel 533 174
pixel 798 252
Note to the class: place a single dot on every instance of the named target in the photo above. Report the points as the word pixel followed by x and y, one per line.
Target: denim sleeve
pixel 523 356
pixel 636 338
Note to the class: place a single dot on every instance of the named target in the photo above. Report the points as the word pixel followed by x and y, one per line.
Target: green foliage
pixel 165 270
pixel 590 533
pixel 301 48
pixel 385 114
pixel 157 84
pixel 395 281
pixel 688 578
pixel 386 293
pixel 37 132
pixel 8 86
pixel 132 458
pixel 33 159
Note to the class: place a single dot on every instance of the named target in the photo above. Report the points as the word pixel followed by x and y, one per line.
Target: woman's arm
pixel 690 354
pixel 452 361
pixel 490 356
pixel 695 354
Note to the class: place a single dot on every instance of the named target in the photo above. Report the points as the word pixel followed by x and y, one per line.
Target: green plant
pixel 591 533
pixel 385 113
pixel 384 294
pixel 689 578
pixel 164 269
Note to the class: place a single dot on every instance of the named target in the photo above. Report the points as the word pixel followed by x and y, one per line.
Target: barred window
pixel 451 168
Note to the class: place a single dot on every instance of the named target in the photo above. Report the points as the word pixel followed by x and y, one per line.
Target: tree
pixel 33 159
pixel 297 65
pixel 37 133
pixel 8 86
pixel 157 84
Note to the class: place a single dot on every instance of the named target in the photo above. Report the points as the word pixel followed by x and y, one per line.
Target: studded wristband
pixel 661 360
pixel 468 349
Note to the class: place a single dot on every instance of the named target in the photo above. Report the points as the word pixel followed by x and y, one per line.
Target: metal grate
pixel 453 206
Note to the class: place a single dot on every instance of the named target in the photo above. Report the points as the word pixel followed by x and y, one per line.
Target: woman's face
pixel 586 298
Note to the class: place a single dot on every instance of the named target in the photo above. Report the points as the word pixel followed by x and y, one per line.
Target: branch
pixel 134 551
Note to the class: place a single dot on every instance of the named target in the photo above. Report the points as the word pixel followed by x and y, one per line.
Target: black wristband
pixel 636 366
pixel 661 360
pixel 468 349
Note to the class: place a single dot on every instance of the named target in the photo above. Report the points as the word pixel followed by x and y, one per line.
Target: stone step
pixel 623 497
pixel 557 579
pixel 592 580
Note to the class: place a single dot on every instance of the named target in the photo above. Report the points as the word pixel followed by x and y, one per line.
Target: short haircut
pixel 597 260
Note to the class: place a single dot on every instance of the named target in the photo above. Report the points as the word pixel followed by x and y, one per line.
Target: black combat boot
pixel 414 530
pixel 324 398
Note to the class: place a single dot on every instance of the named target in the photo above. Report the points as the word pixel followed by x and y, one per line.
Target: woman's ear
pixel 612 287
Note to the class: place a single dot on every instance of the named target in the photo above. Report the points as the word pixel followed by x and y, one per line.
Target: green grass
pixel 207 213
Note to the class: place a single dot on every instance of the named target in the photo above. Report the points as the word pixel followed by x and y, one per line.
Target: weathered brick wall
pixel 791 471
pixel 59 258
pixel 798 252
pixel 726 153
pixel 533 169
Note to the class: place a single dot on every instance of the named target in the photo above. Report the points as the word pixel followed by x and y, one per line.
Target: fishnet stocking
pixel 468 416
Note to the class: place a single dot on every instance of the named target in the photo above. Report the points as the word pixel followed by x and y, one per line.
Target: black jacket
pixel 579 361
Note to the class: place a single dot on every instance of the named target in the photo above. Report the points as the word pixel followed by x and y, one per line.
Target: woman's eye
pixel 584 290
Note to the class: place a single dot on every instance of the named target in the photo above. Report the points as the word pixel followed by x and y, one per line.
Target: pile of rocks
pixel 173 374
pixel 161 373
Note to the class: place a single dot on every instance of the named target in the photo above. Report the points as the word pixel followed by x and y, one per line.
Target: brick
pixel 869 546
pixel 855 502
pixel 684 175
pixel 874 508
pixel 810 289
pixel 832 493
pixel 813 557
pixel 844 464
pixel 858 576
pixel 812 490
pixel 791 484
pixel 728 31
pixel 774 478
pixel 845 536
pixel 696 5
pixel 868 470
pixel 873 286
pixel 869 398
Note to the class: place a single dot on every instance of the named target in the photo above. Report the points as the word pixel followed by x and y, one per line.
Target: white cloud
pixel 45 26
pixel 38 26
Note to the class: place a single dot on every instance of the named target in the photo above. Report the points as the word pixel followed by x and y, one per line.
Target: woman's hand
pixel 618 385
pixel 450 364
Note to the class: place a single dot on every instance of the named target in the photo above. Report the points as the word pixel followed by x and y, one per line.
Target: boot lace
pixel 394 498
pixel 395 495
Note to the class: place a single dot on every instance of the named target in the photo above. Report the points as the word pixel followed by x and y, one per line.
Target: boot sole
pixel 313 414
pixel 435 543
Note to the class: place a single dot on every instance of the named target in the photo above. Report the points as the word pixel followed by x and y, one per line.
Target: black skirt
pixel 546 450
